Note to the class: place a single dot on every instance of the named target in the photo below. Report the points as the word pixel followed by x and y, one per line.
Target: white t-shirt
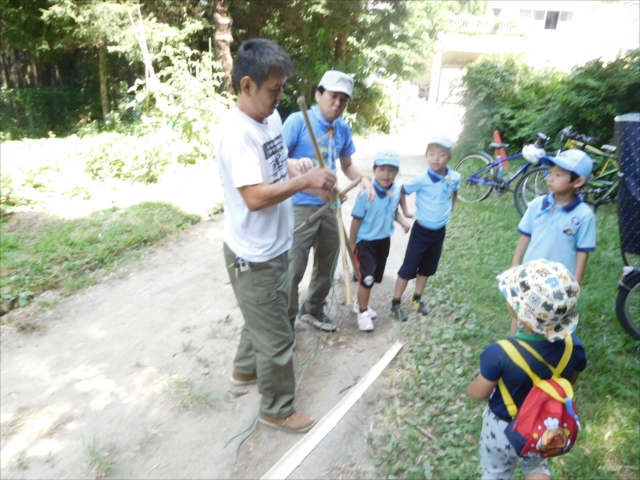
pixel 252 153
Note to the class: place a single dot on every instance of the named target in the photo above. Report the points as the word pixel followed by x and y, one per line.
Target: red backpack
pixel 547 424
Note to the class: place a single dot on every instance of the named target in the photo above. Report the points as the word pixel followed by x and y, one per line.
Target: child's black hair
pixel 259 58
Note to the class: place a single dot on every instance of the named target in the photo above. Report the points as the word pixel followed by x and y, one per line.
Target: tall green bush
pixel 593 94
pixel 504 93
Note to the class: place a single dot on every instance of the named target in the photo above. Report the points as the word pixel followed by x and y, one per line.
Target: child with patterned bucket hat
pixel 544 295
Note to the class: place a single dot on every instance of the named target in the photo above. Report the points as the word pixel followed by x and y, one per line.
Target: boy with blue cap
pixel 371 230
pixel 559 226
pixel 436 193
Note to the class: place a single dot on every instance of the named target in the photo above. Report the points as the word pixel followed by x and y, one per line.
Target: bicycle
pixel 628 301
pixel 481 174
pixel 601 188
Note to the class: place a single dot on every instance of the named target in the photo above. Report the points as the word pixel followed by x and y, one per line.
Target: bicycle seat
pixel 496 146
pixel 608 148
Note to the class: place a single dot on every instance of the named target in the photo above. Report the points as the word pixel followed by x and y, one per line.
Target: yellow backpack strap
pixel 552 392
pixel 537 356
pixel 518 359
pixel 566 356
pixel 507 399
pixel 564 361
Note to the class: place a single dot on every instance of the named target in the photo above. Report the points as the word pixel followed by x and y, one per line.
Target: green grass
pixel 442 357
pixel 62 254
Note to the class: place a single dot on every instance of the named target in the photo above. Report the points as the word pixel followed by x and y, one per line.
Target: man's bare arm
pixel 262 196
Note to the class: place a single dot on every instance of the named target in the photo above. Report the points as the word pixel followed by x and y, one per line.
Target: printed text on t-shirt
pixel 274 153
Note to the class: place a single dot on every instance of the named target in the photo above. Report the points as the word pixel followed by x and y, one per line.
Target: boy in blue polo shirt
pixel 559 226
pixel 437 191
pixel 545 295
pixel 371 230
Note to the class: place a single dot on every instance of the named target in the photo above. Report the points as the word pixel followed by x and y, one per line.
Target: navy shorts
pixel 372 258
pixel 423 252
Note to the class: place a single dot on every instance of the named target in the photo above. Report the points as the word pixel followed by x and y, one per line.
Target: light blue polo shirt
pixel 332 147
pixel 558 233
pixel 434 196
pixel 378 216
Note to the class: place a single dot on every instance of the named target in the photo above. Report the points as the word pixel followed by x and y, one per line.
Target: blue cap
pixel 573 160
pixel 387 158
pixel 443 142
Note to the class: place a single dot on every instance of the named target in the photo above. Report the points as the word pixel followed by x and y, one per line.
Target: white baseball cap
pixel 336 81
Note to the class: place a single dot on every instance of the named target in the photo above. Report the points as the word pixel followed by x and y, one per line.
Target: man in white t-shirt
pixel 258 180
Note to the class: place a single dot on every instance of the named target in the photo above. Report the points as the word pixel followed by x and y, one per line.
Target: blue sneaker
pixel 318 320
pixel 399 314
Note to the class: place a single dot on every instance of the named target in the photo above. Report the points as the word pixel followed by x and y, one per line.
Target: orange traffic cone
pixel 502 152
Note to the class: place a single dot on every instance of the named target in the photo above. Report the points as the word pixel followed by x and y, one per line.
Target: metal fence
pixel 36 112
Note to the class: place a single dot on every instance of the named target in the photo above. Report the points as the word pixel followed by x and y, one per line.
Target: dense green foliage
pixel 91 46
pixel 503 93
pixel 441 358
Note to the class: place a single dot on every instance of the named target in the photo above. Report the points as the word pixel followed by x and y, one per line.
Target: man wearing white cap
pixel 335 142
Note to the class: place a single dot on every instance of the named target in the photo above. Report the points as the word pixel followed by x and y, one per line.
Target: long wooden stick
pixel 302 103
pixel 324 208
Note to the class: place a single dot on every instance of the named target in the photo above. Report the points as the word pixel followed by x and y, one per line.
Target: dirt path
pixel 130 377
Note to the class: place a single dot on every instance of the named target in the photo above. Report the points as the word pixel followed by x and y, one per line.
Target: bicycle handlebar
pixel 541 140
pixel 569 132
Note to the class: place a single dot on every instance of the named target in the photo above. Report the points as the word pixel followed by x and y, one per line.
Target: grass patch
pixel 185 395
pixel 100 458
pixel 42 255
pixel 443 352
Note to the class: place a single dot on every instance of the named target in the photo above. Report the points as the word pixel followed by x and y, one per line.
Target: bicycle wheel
pixel 531 185
pixel 476 180
pixel 630 259
pixel 628 306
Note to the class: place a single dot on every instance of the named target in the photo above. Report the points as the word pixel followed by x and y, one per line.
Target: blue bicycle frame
pixel 475 177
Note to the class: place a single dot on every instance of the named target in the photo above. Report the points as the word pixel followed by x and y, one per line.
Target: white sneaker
pixel 372 313
pixel 365 324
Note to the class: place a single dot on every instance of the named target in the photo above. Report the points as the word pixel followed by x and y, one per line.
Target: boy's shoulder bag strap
pixel 519 360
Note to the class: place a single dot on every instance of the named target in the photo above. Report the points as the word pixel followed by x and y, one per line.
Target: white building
pixel 549 33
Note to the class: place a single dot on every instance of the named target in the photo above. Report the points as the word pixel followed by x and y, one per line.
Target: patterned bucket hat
pixel 544 295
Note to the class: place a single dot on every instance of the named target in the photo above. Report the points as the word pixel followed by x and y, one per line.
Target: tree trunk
pixel 256 19
pixel 14 69
pixel 104 85
pixel 4 76
pixel 340 52
pixel 341 47
pixel 224 38
pixel 34 77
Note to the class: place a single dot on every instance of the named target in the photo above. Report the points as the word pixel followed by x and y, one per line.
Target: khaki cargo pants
pixel 322 235
pixel 266 342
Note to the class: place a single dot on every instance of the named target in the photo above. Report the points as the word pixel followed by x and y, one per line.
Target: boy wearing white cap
pixel 544 296
pixel 559 226
pixel 436 193
pixel 336 145
pixel 371 230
